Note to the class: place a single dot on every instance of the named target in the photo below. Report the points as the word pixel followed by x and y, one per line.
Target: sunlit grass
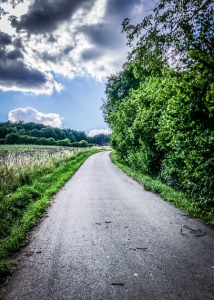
pixel 28 180
pixel 19 167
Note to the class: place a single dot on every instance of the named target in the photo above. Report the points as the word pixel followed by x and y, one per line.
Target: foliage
pixel 20 132
pixel 165 126
pixel 39 134
pixel 117 89
pixel 178 198
pixel 99 139
pixel 178 32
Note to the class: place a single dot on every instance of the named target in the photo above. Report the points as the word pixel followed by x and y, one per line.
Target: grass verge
pixel 179 199
pixel 25 206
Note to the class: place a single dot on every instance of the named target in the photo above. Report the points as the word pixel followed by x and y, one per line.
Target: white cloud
pixel 30 114
pixel 82 38
pixel 99 131
pixel 80 34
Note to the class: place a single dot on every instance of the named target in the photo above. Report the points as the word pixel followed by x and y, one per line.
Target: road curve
pixel 107 238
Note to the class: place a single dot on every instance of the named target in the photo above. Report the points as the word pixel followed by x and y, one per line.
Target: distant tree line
pixel 34 133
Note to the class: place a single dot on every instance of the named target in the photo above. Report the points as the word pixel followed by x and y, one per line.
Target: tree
pixel 65 142
pixel 165 126
pixel 12 138
pixel 35 132
pixel 117 88
pixel 48 132
pixel 99 139
pixel 26 139
pixel 178 32
pixel 4 130
pixel 22 132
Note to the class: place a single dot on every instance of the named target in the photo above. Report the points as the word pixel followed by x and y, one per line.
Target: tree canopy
pixel 34 133
pixel 177 32
pixel 160 107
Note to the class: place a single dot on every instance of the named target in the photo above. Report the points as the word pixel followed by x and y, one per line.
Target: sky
pixel 55 57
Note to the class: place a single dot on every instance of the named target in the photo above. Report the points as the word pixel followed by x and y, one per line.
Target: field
pixel 25 148
pixel 29 177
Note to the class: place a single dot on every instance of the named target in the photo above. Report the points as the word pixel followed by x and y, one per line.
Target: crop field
pixel 4 149
pixel 20 165
pixel 29 177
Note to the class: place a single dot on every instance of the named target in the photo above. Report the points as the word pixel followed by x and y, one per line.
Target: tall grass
pixel 22 167
pixel 27 182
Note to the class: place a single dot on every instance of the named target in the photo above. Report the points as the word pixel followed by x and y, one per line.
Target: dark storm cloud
pixel 13 70
pixel 16 73
pixel 45 16
pixel 2 54
pixel 5 39
pixel 101 40
pixel 17 43
pixel 15 54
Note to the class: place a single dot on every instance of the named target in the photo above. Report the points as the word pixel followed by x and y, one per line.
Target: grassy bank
pixel 27 185
pixel 179 199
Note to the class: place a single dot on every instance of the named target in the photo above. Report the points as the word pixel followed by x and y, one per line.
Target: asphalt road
pixel 105 237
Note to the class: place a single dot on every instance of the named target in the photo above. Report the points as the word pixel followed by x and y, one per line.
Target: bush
pixel 81 144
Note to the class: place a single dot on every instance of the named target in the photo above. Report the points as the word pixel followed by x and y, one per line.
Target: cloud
pixel 5 39
pixel 102 35
pixel 30 114
pixel 19 75
pixel 99 131
pixel 15 54
pixel 45 16
pixel 91 54
pixel 16 75
pixel 120 8
pixel 78 37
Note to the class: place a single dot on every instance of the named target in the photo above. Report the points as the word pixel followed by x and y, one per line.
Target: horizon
pixel 55 58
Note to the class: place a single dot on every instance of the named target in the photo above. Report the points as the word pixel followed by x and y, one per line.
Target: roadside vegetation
pixel 30 176
pixel 160 107
pixel 177 198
